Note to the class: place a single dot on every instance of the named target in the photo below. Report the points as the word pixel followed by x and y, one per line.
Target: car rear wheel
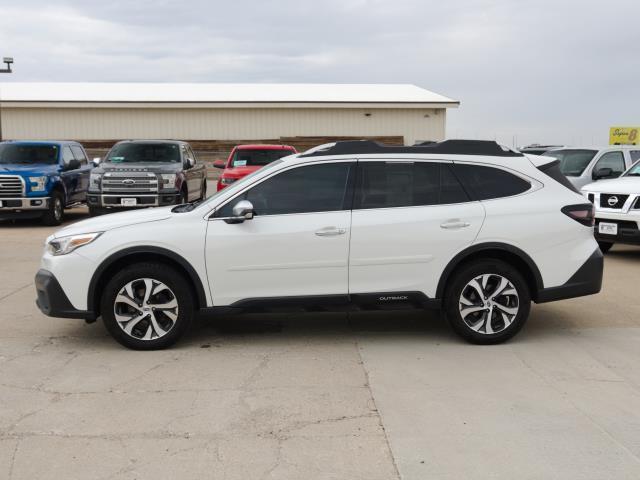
pixel 487 302
pixel 55 214
pixel 147 306
pixel 605 246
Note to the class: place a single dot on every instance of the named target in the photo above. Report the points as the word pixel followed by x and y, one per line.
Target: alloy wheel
pixel 489 303
pixel 146 309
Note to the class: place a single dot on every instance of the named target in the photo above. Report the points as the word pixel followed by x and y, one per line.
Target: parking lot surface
pixel 367 395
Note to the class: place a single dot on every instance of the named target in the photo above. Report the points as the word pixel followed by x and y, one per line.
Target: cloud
pixel 541 70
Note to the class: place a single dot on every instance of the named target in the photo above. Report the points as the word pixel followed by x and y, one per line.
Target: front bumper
pixel 628 231
pixel 115 200
pixel 586 281
pixel 24 203
pixel 52 301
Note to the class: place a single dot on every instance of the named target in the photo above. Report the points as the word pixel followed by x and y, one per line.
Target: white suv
pixel 617 205
pixel 469 226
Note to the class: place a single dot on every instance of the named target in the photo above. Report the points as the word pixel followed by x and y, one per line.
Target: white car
pixel 586 165
pixel 617 205
pixel 469 226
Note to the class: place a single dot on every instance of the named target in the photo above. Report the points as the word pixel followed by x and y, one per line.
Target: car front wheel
pixel 487 302
pixel 147 306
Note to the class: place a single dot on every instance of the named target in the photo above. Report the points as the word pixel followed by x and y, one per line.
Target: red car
pixel 245 159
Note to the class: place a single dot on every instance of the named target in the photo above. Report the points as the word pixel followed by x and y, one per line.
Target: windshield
pixel 572 162
pixel 634 171
pixel 252 158
pixel 29 154
pixel 144 153
pixel 240 183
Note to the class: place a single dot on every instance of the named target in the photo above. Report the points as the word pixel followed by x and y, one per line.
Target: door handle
pixel 331 232
pixel 454 225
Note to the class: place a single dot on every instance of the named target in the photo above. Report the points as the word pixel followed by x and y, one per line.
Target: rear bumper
pixel 114 200
pixel 586 281
pixel 52 301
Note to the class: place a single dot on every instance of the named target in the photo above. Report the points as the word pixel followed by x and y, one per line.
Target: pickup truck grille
pixel 130 182
pixel 11 186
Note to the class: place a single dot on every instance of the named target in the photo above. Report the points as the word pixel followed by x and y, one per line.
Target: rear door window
pixel 485 183
pixel 406 184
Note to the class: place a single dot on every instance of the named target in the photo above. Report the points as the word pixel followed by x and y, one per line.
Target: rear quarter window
pixel 485 183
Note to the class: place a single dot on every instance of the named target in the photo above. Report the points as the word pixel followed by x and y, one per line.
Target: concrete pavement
pixel 369 395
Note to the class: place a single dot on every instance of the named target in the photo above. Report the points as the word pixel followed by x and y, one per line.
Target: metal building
pixel 106 112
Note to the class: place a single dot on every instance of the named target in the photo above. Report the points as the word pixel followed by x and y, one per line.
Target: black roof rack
pixel 449 147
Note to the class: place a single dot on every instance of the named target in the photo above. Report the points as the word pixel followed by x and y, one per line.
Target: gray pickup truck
pixel 146 173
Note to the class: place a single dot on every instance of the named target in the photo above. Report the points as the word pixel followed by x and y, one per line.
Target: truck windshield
pixel 144 153
pixel 572 161
pixel 257 157
pixel 28 154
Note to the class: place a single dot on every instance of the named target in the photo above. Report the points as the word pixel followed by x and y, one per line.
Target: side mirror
pixel 243 210
pixel 72 165
pixel 95 161
pixel 602 173
pixel 219 164
pixel 189 163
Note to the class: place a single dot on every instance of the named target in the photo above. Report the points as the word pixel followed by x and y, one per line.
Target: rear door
pixel 409 219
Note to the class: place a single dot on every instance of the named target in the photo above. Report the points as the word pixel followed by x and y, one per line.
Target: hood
pixel 153 167
pixel 238 172
pixel 29 169
pixel 626 185
pixel 116 220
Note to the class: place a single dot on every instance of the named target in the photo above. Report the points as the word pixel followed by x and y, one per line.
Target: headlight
pixel 38 183
pixel 168 180
pixel 94 179
pixel 64 245
pixel 227 181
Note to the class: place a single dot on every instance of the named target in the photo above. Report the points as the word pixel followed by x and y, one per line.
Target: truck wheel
pixel 487 301
pixel 183 198
pixel 55 214
pixel 147 306
pixel 203 190
pixel 96 211
pixel 605 246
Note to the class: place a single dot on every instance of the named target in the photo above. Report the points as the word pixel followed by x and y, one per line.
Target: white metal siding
pixel 104 123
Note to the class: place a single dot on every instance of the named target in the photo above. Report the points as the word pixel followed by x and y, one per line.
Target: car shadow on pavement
pixel 70 216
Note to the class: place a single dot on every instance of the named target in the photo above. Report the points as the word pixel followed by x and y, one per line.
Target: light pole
pixel 8 61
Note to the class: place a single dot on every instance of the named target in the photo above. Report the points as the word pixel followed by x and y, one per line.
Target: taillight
pixel 227 180
pixel 582 213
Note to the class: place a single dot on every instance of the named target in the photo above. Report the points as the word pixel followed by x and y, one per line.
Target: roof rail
pixel 449 147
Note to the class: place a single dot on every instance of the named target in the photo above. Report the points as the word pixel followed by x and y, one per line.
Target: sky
pixel 524 71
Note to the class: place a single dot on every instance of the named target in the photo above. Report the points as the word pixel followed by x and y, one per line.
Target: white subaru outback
pixel 469 226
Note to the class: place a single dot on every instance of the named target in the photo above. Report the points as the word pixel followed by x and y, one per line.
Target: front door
pixel 409 220
pixel 297 244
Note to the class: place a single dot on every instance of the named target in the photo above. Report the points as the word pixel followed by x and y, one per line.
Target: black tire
pixel 96 211
pixel 605 246
pixel 159 273
pixel 55 213
pixel 183 198
pixel 203 190
pixel 497 330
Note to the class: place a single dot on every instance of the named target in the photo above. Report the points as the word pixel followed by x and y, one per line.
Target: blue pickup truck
pixel 41 179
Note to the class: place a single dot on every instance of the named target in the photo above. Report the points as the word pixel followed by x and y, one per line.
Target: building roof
pixel 258 93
